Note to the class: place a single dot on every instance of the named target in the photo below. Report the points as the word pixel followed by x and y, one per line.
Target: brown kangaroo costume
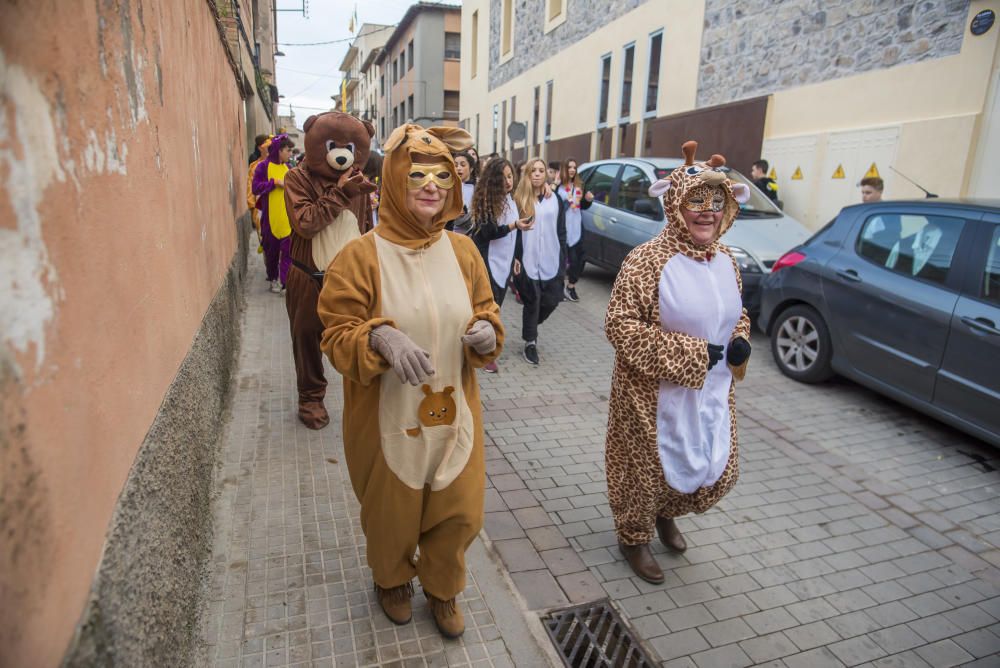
pixel 671 444
pixel 328 205
pixel 414 442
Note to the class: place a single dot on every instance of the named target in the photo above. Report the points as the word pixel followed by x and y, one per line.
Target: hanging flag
pixel 773 174
pixel 343 94
pixel 797 176
pixel 838 173
pixel 354 19
pixel 872 172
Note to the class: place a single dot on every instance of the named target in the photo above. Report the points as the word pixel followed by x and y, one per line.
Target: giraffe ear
pixel 741 193
pixel 660 187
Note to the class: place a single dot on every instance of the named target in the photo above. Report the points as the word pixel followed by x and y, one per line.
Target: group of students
pixel 528 230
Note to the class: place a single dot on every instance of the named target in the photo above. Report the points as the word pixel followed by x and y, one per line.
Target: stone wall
pixel 531 45
pixel 757 47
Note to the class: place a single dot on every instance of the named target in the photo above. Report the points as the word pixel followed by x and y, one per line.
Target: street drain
pixel 594 636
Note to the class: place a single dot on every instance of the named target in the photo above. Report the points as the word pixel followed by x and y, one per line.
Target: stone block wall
pixel 758 47
pixel 532 45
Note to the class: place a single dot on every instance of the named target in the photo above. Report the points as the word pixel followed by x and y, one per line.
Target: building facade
pixel 359 89
pixel 843 88
pixel 419 79
pixel 125 141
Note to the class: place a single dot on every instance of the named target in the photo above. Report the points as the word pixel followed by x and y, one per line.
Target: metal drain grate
pixel 594 636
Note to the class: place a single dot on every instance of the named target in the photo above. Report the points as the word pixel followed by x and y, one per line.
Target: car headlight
pixel 745 261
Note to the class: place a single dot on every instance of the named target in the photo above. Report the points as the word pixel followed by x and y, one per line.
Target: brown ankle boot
pixel 313 414
pixel 670 535
pixel 642 562
pixel 395 602
pixel 447 616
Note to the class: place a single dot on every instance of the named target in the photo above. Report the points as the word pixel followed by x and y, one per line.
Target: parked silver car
pixel 623 215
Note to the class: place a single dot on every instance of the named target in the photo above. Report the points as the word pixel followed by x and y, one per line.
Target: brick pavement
pixel 860 532
pixel 289 584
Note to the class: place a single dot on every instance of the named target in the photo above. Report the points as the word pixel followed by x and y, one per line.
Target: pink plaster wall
pixel 123 164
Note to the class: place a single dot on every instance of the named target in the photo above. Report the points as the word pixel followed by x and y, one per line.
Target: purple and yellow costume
pixel 274 226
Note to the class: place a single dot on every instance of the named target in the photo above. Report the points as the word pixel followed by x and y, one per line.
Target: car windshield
pixel 759 205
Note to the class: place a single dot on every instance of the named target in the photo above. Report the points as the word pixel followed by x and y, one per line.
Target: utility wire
pixel 338 41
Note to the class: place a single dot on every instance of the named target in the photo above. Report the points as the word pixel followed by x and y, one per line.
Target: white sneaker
pixel 275 286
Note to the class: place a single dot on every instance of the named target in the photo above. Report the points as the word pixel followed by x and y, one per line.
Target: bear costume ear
pixel 456 139
pixel 426 389
pixel 448 390
pixel 309 122
pixel 369 126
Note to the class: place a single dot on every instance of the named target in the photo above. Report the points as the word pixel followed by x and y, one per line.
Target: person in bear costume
pixel 328 204
pixel 410 316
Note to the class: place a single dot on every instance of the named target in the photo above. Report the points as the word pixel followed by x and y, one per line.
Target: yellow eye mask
pixel 421 174
pixel 705 198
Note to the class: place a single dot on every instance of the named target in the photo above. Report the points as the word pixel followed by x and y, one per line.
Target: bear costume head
pixel 336 142
pixel 408 145
pixel 705 183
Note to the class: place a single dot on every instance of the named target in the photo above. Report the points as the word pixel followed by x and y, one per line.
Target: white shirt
pixel 540 244
pixel 502 250
pixel 467 190
pixel 692 426
pixel 574 215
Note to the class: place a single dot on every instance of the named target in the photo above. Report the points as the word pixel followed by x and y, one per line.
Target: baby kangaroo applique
pixel 436 409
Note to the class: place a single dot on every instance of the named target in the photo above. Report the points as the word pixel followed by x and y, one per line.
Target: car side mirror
pixel 646 206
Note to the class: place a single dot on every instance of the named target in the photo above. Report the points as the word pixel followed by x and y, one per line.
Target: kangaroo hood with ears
pixel 408 144
pixel 674 189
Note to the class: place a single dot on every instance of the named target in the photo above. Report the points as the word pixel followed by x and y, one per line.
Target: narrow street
pixel 860 531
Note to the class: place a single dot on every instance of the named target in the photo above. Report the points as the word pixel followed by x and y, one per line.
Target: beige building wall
pixel 924 119
pixel 121 193
pixel 575 71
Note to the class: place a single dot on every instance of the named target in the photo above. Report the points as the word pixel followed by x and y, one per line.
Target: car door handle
pixel 613 220
pixel 981 324
pixel 849 275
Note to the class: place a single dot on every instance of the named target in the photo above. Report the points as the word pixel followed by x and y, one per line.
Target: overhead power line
pixel 337 41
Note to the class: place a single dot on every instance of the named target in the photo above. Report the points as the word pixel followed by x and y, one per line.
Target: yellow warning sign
pixel 773 174
pixel 872 172
pixel 839 173
pixel 797 176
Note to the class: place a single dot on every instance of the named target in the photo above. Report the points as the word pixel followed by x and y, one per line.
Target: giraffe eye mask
pixel 420 175
pixel 705 198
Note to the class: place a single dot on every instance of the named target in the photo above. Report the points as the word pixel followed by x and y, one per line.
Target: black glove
pixel 714 354
pixel 738 352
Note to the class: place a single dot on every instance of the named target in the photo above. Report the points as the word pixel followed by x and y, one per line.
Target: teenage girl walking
pixel 494 217
pixel 571 192
pixel 540 253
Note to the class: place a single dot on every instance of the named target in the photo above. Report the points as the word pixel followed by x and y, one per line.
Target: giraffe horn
pixel 689 149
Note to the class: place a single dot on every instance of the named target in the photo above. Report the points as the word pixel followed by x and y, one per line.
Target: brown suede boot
pixel 313 414
pixel 670 535
pixel 642 562
pixel 447 616
pixel 395 602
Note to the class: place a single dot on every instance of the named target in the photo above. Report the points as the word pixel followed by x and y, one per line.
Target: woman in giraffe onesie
pixel 675 312
pixel 409 315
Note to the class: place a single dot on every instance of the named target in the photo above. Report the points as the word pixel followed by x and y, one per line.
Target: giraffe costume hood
pixel 671 444
pixel 415 454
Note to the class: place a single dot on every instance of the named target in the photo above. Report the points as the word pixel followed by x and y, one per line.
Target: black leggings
pixel 499 291
pixel 540 299
pixel 575 262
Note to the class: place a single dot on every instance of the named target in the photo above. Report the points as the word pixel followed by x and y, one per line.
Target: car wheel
pixel 801 345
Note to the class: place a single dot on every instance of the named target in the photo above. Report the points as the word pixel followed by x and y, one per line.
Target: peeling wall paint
pixel 28 279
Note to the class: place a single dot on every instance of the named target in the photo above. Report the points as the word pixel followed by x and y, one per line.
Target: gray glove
pixel 481 337
pixel 411 363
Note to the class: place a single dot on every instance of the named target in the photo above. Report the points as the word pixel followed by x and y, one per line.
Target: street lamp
pixel 279 53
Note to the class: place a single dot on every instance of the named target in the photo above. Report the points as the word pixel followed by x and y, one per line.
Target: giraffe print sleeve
pixel 632 326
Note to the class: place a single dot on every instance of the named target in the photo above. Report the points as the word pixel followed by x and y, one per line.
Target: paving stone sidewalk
pixel 860 532
pixel 289 583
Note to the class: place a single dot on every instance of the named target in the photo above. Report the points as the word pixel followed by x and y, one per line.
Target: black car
pixel 902 297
